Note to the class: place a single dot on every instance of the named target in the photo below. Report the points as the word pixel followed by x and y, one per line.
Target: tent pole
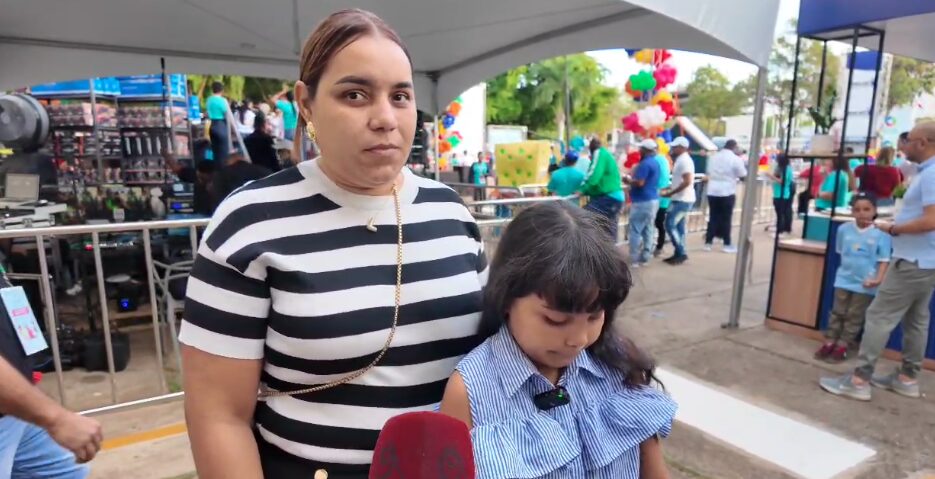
pixel 435 149
pixel 873 103
pixel 750 196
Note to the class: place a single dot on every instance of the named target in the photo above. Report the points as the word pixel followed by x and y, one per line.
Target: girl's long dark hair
pixel 563 254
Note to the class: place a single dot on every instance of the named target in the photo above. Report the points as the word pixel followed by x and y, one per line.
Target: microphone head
pixel 423 445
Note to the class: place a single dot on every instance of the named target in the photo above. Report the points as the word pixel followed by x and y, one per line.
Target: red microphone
pixel 423 445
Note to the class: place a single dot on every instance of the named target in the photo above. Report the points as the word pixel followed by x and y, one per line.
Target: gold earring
pixel 310 131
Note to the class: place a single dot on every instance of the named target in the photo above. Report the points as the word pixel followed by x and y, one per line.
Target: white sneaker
pixel 708 247
pixel 730 249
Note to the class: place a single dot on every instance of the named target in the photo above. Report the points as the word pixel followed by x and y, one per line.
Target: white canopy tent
pixel 454 43
pixel 457 43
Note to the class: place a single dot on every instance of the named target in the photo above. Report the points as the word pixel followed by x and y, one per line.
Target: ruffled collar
pixel 516 368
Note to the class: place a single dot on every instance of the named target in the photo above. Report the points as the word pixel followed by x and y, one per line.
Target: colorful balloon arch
pixel 449 139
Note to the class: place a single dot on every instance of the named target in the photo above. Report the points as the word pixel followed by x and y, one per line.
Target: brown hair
pixel 331 36
pixel 885 157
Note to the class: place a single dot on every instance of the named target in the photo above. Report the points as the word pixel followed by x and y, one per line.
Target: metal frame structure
pixel 857 32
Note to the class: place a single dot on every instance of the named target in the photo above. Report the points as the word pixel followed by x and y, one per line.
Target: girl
pixel 865 255
pixel 783 190
pixel 554 392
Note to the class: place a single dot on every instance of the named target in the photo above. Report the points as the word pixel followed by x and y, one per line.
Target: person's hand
pixel 872 283
pixel 80 435
pixel 886 227
pixel 704 179
pixel 666 193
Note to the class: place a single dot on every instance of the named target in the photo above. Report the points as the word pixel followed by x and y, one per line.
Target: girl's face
pixel 863 211
pixel 550 338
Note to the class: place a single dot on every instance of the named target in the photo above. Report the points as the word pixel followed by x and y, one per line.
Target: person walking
pixel 725 168
pixel 783 179
pixel 906 292
pixel 219 131
pixel 644 201
pixel 682 194
pixel 603 186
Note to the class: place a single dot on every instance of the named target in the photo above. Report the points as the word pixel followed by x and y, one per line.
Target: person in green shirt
pixel 665 181
pixel 566 180
pixel 783 179
pixel 284 101
pixel 604 186
pixel 217 107
pixel 841 175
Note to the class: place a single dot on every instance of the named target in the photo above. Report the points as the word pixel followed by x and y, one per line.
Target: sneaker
pixel 675 260
pixel 891 382
pixel 838 355
pixel 824 351
pixel 708 247
pixel 730 249
pixel 844 386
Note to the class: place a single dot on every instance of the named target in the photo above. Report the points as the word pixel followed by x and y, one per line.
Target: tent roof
pixel 460 43
pixel 908 25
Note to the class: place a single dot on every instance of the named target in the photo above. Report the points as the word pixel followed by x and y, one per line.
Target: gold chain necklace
pixel 267 393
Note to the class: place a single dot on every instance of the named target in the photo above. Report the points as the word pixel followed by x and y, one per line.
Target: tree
pixel 909 79
pixel 710 97
pixel 533 95
pixel 236 87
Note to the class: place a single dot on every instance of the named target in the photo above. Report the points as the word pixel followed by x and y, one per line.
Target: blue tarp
pixel 818 16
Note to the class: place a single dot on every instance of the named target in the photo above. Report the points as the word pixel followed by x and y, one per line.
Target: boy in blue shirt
pixel 865 254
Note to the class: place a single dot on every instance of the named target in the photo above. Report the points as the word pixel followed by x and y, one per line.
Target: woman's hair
pixel 885 157
pixel 217 87
pixel 331 36
pixel 842 163
pixel 564 255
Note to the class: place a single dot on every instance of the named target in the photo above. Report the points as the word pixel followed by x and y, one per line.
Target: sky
pixel 621 67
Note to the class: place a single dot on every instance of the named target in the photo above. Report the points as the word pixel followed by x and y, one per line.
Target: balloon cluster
pixel 449 139
pixel 648 87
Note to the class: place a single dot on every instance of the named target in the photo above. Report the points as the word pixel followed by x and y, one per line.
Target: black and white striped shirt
pixel 289 273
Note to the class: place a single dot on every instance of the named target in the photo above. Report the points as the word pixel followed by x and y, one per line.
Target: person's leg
pixel 789 215
pixel 714 203
pixel 614 208
pixel 675 225
pixel 887 309
pixel 40 457
pixel 660 225
pixel 727 218
pixel 916 327
pixel 11 433
pixel 609 208
pixel 838 314
pixel 649 233
pixel 640 220
pixel 854 319
pixel 289 134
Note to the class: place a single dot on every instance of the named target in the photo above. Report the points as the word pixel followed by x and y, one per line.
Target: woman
pixel 882 178
pixel 835 191
pixel 783 186
pixel 306 289
pixel 219 131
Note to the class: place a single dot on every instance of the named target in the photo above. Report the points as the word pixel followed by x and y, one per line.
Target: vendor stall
pixel 802 281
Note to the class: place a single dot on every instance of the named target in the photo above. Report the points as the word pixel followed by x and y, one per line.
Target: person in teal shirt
pixel 479 172
pixel 217 107
pixel 665 181
pixel 783 180
pixel 842 176
pixel 284 101
pixel 566 180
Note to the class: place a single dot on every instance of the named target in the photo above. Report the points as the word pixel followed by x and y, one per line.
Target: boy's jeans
pixel 28 452
pixel 642 229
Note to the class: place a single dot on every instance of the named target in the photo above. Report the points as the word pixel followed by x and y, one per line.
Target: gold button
pixel 321 474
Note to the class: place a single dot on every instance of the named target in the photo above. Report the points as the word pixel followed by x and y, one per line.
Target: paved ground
pixel 674 312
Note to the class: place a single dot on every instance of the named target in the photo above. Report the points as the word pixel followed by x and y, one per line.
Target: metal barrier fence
pixel 492 217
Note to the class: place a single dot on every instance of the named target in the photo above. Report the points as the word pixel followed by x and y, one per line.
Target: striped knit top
pixel 595 436
pixel 289 273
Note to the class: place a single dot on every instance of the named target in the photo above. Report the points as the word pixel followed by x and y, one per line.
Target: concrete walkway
pixel 762 382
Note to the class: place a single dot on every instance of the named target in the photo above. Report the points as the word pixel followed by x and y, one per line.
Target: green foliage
pixel 533 95
pixel 710 96
pixel 236 87
pixel 909 79
pixel 823 115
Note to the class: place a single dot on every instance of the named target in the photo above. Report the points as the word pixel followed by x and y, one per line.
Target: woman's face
pixel 364 113
pixel 550 338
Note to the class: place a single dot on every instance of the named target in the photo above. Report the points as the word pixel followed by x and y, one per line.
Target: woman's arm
pixel 652 463
pixel 455 402
pixel 220 398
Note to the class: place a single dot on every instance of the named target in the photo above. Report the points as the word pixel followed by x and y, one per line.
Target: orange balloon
pixel 454 109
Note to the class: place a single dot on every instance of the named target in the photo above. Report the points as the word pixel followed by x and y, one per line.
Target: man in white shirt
pixel 682 193
pixel 724 169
